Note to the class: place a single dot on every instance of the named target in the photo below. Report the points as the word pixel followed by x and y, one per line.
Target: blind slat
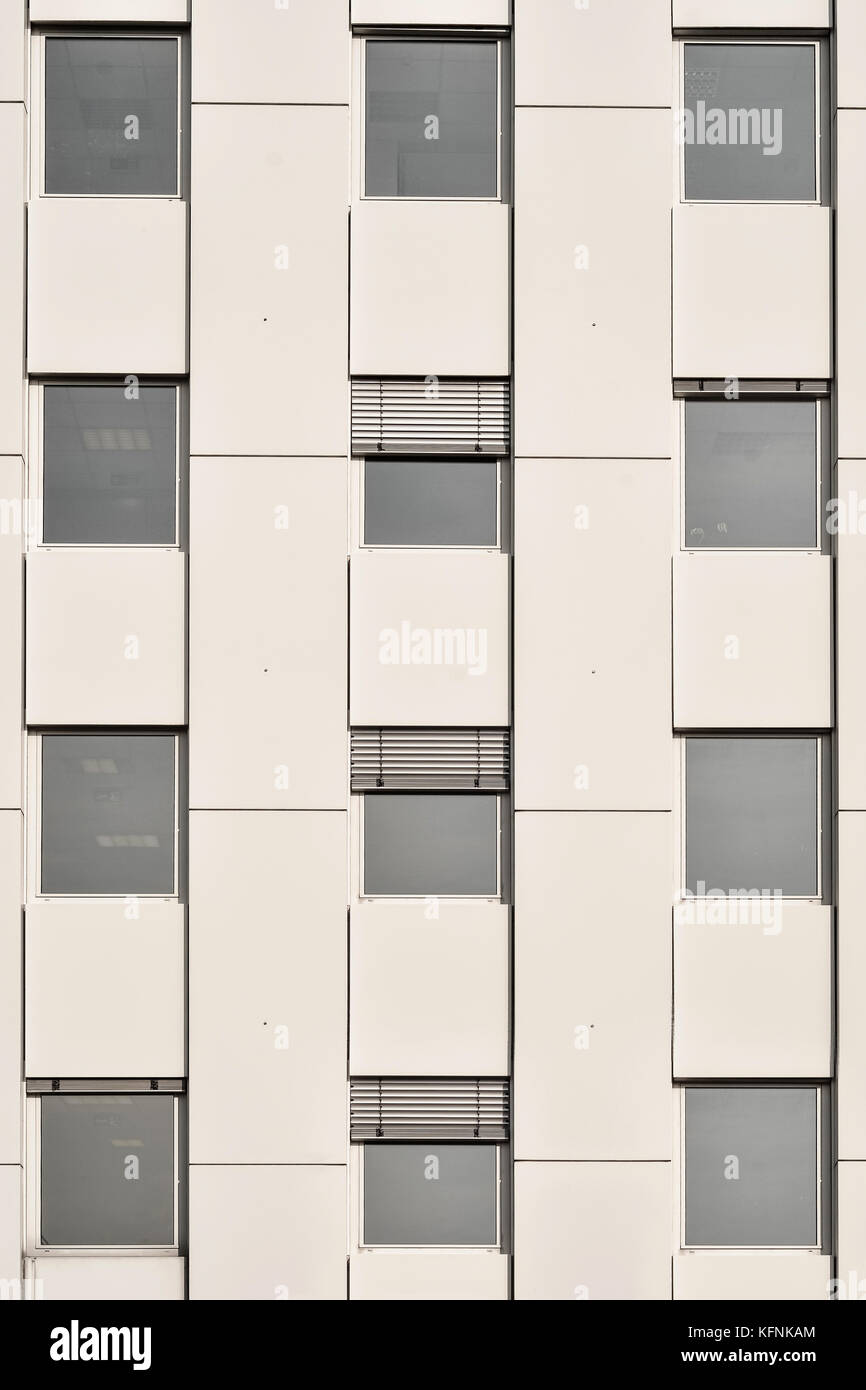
pixel 430 415
pixel 430 759
pixel 455 1108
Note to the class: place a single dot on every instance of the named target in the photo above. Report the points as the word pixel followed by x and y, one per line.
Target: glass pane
pixel 752 815
pixel 418 844
pixel 111 116
pixel 430 1194
pixel 749 122
pixel 108 815
pixel 431 120
pixel 429 502
pixel 110 465
pixel 751 474
pixel 107 1170
pixel 751 1166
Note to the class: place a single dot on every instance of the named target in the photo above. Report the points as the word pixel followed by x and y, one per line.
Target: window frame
pixel 34 794
pixel 360 501
pixel 739 40
pixel 37 103
pixel 823 1113
pixel 397 34
pixel 820 405
pixel 36 463
pixel 417 898
pixel 35 1247
pixel 363 1244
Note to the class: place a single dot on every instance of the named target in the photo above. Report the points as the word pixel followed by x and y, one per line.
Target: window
pixel 111 116
pixel 749 122
pixel 432 118
pixel 752 1166
pixel 752 815
pixel 109 465
pixel 431 502
pixel 419 844
pixel 751 474
pixel 108 814
pixel 109 1170
pixel 431 1194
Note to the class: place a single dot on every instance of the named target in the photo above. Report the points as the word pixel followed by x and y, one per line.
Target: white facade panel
pixel 851 270
pixel 428 1275
pixel 11 1210
pixel 761 1274
pixel 13 50
pixel 13 522
pixel 756 14
pixel 270 53
pixel 850 77
pixel 850 480
pixel 11 957
pixel 851 1204
pixel 429 641
pixel 116 11
pixel 12 265
pixel 850 830
pixel 431 12
pixel 614 54
pixel 136 1279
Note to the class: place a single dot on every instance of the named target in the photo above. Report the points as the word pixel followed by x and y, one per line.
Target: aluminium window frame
pixel 359 496
pixel 363 1245
pixel 420 899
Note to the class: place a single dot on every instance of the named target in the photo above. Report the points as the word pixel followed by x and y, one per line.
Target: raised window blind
pixel 411 1108
pixel 430 759
pixel 430 415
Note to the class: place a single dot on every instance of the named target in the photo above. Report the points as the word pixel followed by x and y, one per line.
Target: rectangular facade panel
pixel 14 520
pixel 11 877
pixel 133 1279
pixel 105 988
pixel 429 637
pixel 760 1274
pixel 12 263
pixel 429 989
pixel 753 641
pixel 106 289
pixel 269 291
pixel 615 54
pixel 734 313
pixel 850 489
pixel 431 12
pixel 268 624
pixel 592 1231
pixel 429 1275
pixel 592 986
pixel 267 1006
pixel 13 50
pixel 430 288
pixel 273 1232
pixel 106 637
pixel 851 1024
pixel 851 1203
pixel 592 300
pixel 756 14
pixel 116 11
pixel 11 1208
pixel 592 607
pixel 270 52
pixel 850 78
pixel 851 305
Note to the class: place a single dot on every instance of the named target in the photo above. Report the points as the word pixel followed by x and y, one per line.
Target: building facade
pixel 432 749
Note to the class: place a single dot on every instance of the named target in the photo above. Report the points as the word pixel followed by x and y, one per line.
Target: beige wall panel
pixel 734 311
pixel 106 639
pixel 138 1279
pixel 268 625
pixel 405 1275
pixel 12 260
pixel 400 600
pixel 851 265
pixel 431 12
pixel 273 1232
pixel 753 641
pixel 851 1260
pixel 429 996
pixel 850 487
pixel 104 995
pixel 106 289
pixel 745 14
pixel 430 288
pixel 592 986
pixel 14 516
pixel 613 54
pixel 10 1222
pixel 269 53
pixel 267 1002
pixel 851 1016
pixel 11 893
pixel 592 1231
pixel 592 346
pixel 773 1274
pixel 134 11
pixel 753 997
pixel 13 50
pixel 850 75
pixel 268 345
pixel 592 680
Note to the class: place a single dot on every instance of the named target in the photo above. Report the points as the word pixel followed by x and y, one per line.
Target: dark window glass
pixel 430 502
pixel 430 1194
pixel 419 843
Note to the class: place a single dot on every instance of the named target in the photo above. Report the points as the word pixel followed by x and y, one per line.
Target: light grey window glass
pixel 111 116
pixel 751 1165
pixel 749 122
pixel 751 474
pixel 430 843
pixel 430 502
pixel 430 1194
pixel 109 466
pixel 108 1174
pixel 752 815
pixel 108 813
pixel 432 119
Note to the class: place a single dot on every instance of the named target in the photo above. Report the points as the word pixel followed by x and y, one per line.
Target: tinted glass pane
pixel 751 1166
pixel 431 120
pixel 110 464
pixel 108 814
pixel 430 1194
pixel 751 474
pixel 749 121
pixel 111 116
pixel 752 815
pixel 418 844
pixel 429 502
pixel 107 1170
